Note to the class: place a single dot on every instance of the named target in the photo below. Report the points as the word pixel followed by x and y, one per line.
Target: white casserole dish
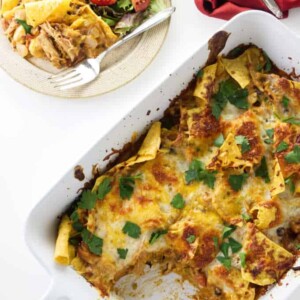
pixel 251 27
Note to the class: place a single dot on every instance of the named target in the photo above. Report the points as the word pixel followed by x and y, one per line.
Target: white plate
pixel 251 27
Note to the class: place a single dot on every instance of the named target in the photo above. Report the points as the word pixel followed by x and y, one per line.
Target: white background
pixel 42 137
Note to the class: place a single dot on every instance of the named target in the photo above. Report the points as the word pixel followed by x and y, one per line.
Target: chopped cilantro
pixel 243 259
pixel 225 249
pixel 191 239
pixel 127 185
pixel 234 245
pixel 197 172
pixel 246 217
pixel 270 134
pixel 285 101
pixel 122 253
pixel 178 202
pixel 216 242
pixel 244 142
pixel 104 188
pixel 292 120
pixel 219 140
pixel 200 74
pixel 228 230
pixel 230 91
pixel 293 157
pixel 132 230
pixel 237 181
pixel 225 261
pixel 156 235
pixel 282 146
pixel 93 242
pixel 76 224
pixel 290 183
pixel 268 64
pixel 88 200
pixel 262 170
pixel 26 27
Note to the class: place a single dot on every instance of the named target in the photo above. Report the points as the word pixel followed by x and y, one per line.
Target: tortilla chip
pixel 267 266
pixel 46 11
pixel 8 5
pixel 64 252
pixel 265 215
pixel 278 184
pixel 205 83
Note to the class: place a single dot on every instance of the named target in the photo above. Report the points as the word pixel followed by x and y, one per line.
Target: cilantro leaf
pixel 246 217
pixel 230 91
pixel 268 64
pixel 270 134
pixel 200 74
pixel 178 202
pixel 293 157
pixel 290 183
pixel 93 242
pixel 76 224
pixel 237 181
pixel 285 101
pixel 132 230
pixel 243 259
pixel 282 146
pixel 219 140
pixel 88 200
pixel 262 170
pixel 244 142
pixel 104 188
pixel 122 253
pixel 228 230
pixel 197 172
pixel 224 249
pixel 191 239
pixel 126 185
pixel 292 120
pixel 234 245
pixel 225 261
pixel 216 242
pixel 26 27
pixel 156 235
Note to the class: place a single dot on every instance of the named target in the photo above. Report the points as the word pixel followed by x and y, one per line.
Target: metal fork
pixel 89 69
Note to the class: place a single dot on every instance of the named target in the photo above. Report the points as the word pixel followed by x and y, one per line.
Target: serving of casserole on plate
pixel 210 194
pixel 55 34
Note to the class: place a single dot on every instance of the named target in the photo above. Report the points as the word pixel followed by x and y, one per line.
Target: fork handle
pixel 153 21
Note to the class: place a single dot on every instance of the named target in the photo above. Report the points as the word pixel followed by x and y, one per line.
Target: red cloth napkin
pixel 227 9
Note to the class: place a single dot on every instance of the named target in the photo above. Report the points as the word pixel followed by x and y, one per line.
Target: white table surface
pixel 42 137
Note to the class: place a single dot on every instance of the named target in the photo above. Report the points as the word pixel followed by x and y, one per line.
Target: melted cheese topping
pixel 244 185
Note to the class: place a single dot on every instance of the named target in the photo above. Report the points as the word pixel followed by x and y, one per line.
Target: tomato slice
pixel 104 2
pixel 140 5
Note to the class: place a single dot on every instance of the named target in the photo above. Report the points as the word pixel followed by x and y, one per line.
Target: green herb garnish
pixel 228 230
pixel 191 239
pixel 216 242
pixel 126 185
pixel 197 172
pixel 285 101
pixel 270 134
pixel 246 217
pixel 76 224
pixel 219 140
pixel 104 188
pixel 244 142
pixel 132 230
pixel 237 181
pixel 156 235
pixel 243 259
pixel 122 253
pixel 290 183
pixel 200 74
pixel 282 146
pixel 234 245
pixel 293 157
pixel 268 64
pixel 225 261
pixel 292 120
pixel 262 170
pixel 230 91
pixel 225 249
pixel 88 200
pixel 26 27
pixel 178 202
pixel 93 242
